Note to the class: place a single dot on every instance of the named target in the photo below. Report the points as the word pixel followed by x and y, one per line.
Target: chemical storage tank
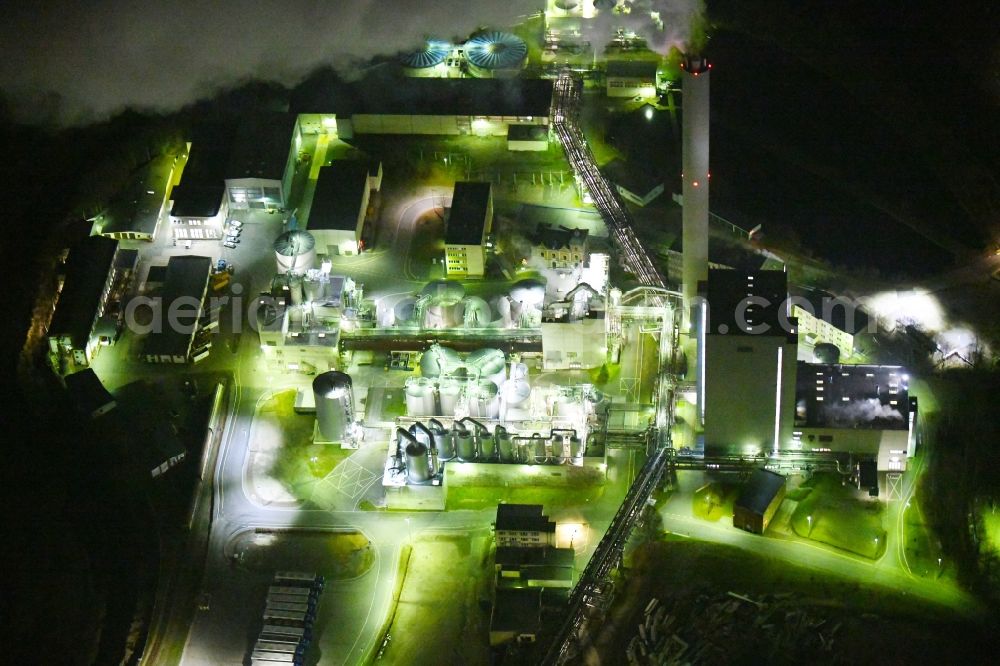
pixel 428 61
pixel 556 444
pixel 449 393
pixel 334 405
pixel 404 312
pixel 419 394
pixel 484 400
pixel 529 293
pixel 575 447
pixel 516 392
pixel 489 364
pixel 502 306
pixel 495 54
pixel 465 445
pixel 538 449
pixel 447 445
pixel 295 250
pixel 476 313
pixel 444 290
pixel 519 371
pixel 417 466
pixel 486 444
pixel 505 445
pixel 444 313
pixel 438 360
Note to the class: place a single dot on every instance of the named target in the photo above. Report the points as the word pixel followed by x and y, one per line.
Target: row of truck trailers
pixel 289 613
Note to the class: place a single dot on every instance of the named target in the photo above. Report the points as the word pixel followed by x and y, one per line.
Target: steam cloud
pixel 861 411
pixel 72 62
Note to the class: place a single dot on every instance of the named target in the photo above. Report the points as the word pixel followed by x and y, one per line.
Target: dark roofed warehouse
pixel 759 501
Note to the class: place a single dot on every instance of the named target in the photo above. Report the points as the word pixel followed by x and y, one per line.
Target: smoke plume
pixel 861 411
pixel 71 62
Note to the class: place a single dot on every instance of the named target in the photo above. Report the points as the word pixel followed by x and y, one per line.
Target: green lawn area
pixel 485 497
pixel 439 618
pixel 298 462
pixel 714 500
pixel 991 527
pixel 840 517
pixel 922 549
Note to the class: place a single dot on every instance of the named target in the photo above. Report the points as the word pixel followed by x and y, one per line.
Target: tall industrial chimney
pixel 695 177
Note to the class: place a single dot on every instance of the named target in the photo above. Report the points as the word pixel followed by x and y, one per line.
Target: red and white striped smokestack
pixel 695 187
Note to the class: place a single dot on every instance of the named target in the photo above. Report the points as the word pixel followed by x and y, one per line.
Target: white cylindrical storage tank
pixel 416 394
pixel 495 54
pixel 444 290
pixel 518 371
pixel 530 294
pixel 334 405
pixel 516 392
pixel 443 314
pixel 448 393
pixel 428 61
pixel 538 450
pixel 417 466
pixel 295 250
pixel 476 313
pixel 438 360
pixel 502 306
pixel 505 445
pixel 484 401
pixel 404 312
pixel 556 444
pixel 489 364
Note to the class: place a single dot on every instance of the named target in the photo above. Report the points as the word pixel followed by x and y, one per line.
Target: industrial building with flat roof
pixel 172 338
pixel 135 215
pixel 201 194
pixel 746 362
pixel 629 78
pixel 523 525
pixel 469 223
pixel 759 501
pixel 340 205
pixel 89 272
pixel 262 164
pixel 389 104
pixel 863 410
pixel 534 567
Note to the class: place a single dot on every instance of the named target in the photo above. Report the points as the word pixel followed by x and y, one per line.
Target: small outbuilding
pixel 759 501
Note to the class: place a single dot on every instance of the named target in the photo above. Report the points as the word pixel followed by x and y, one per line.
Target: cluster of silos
pixel 422 449
pixel 495 54
pixel 334 405
pixel 449 397
pixel 295 251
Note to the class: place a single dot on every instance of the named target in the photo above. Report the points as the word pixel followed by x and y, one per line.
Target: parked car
pixel 230 245
pixel 236 223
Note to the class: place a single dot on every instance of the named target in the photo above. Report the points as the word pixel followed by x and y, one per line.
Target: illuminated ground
pixel 841 517
pixel 440 617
